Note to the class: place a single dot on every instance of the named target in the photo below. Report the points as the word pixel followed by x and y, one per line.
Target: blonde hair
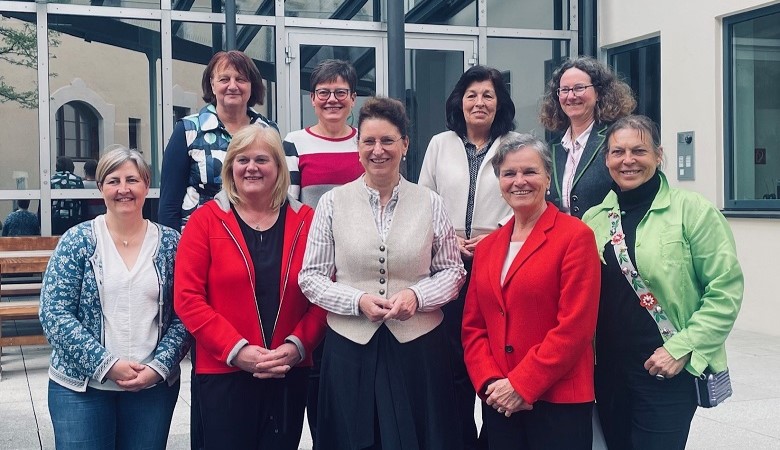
pixel 115 156
pixel 250 135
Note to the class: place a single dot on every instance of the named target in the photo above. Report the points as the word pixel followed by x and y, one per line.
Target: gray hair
pixel 117 155
pixel 518 142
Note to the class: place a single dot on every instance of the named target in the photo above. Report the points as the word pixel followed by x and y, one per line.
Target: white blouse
pixel 129 299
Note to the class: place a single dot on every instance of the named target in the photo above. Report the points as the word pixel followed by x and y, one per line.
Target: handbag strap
pixel 646 298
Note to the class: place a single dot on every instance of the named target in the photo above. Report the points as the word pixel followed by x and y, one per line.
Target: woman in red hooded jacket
pixel 236 291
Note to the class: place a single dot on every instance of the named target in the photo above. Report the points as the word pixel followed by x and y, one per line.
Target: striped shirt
pixel 319 266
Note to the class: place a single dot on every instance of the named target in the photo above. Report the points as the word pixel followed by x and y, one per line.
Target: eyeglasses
pixel 385 142
pixel 324 94
pixel 578 90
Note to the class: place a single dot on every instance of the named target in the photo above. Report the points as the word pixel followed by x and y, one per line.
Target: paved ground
pixel 750 419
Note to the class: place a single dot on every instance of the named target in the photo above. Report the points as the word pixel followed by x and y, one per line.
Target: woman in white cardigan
pixel 480 114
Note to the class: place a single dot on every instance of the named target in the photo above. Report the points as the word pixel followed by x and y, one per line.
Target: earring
pixel 548 191
pixel 403 158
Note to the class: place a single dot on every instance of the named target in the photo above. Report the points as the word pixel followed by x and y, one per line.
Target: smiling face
pixel 255 171
pixel 578 108
pixel 231 88
pixel 631 158
pixel 523 180
pixel 124 190
pixel 382 162
pixel 333 110
pixel 479 105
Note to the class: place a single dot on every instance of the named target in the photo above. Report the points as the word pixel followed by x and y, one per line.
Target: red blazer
pixel 537 328
pixel 214 294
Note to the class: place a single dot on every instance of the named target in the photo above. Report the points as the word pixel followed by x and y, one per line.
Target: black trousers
pixel 465 395
pixel 313 393
pixel 549 426
pixel 639 412
pixel 243 412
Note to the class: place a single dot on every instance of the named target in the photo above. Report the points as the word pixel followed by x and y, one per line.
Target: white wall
pixel 692 99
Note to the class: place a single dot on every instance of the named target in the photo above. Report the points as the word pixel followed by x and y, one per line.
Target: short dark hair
pixel 90 166
pixel 505 110
pixel 64 164
pixel 385 108
pixel 643 124
pixel 329 70
pixel 244 65
pixel 615 99
pixel 23 204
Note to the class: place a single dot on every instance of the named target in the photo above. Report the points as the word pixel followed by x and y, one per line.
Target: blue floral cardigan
pixel 72 317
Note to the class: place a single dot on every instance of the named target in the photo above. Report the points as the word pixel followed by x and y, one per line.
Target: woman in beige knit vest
pixel 382 258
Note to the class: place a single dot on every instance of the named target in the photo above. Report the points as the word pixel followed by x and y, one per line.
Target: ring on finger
pixel 659 377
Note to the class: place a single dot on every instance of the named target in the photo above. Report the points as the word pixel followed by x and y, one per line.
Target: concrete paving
pixel 749 419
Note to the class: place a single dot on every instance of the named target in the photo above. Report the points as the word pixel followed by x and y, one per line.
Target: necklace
pixel 129 240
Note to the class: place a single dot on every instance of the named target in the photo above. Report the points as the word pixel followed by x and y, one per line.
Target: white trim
pixel 103 11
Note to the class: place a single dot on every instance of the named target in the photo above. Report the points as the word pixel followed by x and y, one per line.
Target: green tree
pixel 18 47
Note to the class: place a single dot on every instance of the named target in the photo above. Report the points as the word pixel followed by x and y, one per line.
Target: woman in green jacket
pixel 670 292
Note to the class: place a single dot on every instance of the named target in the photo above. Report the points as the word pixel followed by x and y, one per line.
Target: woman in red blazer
pixel 236 290
pixel 530 313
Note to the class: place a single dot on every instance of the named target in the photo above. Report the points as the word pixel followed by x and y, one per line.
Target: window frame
pixel 82 115
pixel 768 208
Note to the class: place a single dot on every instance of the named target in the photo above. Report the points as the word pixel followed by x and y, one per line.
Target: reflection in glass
pixel 370 10
pixel 430 77
pixel 362 58
pixel 539 14
pixel 105 71
pixel 253 7
pixel 19 101
pixel 755 108
pixel 437 12
pixel 639 65
pixel 526 65
pixel 148 4
pixel 19 218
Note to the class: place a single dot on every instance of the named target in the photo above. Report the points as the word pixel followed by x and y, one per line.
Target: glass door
pixel 306 50
pixel 432 69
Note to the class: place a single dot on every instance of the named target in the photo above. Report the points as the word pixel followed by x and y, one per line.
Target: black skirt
pixel 387 395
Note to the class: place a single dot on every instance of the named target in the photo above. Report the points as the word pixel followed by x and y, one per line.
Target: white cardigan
pixel 445 170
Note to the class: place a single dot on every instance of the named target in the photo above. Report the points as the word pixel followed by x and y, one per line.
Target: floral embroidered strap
pixel 646 298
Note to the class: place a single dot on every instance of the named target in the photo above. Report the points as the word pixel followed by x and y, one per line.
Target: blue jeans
pixel 105 420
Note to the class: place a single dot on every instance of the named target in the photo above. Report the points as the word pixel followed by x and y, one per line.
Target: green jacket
pixel 686 253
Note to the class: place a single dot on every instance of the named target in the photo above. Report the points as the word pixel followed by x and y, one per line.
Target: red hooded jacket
pixel 214 292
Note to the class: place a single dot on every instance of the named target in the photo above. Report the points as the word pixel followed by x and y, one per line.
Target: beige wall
pixel 692 99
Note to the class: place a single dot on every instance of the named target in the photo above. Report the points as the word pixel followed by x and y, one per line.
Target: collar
pixel 582 139
pixel 209 121
pixel 374 193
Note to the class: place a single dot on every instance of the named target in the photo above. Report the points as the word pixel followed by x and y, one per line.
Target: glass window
pixel 639 65
pixel 19 218
pixel 334 9
pixel 441 12
pixel 77 131
pixel 526 64
pixel 752 108
pixel 148 4
pixel 543 14
pixel 19 101
pixel 254 7
pixel 102 71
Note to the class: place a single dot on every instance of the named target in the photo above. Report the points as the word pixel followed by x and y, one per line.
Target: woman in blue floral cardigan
pixel 107 310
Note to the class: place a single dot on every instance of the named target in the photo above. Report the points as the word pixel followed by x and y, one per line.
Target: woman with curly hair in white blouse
pixel 107 310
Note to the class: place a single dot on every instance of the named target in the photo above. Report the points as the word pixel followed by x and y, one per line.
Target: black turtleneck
pixel 625 329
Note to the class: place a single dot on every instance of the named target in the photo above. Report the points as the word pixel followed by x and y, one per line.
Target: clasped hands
pixel 504 399
pixel 467 246
pixel 264 363
pixel 133 376
pixel 401 306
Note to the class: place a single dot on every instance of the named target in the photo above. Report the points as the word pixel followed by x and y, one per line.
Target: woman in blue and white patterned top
pixel 107 310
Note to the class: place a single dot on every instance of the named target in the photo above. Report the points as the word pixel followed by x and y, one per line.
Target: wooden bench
pixel 22 255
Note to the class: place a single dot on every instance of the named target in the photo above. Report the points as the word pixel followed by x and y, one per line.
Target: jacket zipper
pixel 251 282
pixel 287 273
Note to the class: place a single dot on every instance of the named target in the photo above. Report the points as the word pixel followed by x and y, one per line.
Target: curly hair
pixel 615 99
pixel 505 110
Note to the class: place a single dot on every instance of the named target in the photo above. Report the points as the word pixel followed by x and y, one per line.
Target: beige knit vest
pixel 378 267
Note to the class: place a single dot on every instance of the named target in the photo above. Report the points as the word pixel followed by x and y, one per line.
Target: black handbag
pixel 713 388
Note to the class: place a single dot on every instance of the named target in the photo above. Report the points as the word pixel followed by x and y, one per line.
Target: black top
pixel 625 329
pixel 265 249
